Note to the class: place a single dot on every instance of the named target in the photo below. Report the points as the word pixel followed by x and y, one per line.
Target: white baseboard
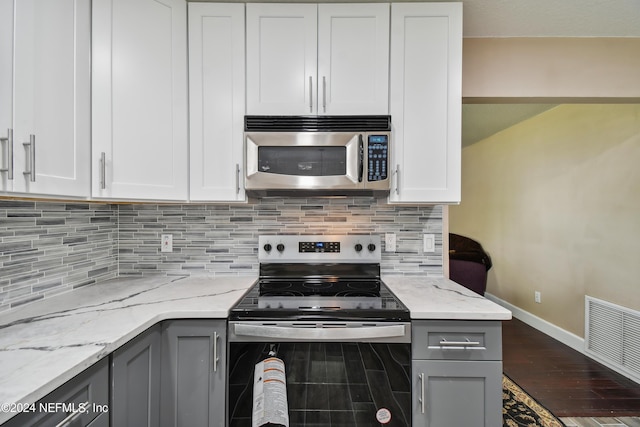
pixel 565 337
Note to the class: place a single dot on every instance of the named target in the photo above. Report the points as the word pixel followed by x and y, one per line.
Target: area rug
pixel 521 410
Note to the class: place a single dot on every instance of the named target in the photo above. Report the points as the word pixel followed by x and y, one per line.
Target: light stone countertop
pixel 439 298
pixel 46 343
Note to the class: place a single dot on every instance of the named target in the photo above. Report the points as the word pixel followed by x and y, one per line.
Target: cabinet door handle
pixel 103 170
pixel 216 358
pixel 324 93
pixel 237 178
pixel 9 141
pixel 32 158
pixel 445 343
pixel 397 179
pixel 74 415
pixel 310 94
pixel 422 393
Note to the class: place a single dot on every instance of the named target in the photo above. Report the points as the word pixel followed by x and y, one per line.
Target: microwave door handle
pixel 360 157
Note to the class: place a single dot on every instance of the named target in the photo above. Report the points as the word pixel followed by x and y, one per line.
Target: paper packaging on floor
pixel 270 405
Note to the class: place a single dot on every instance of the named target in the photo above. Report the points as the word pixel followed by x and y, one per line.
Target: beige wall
pixel 556 202
pixel 551 68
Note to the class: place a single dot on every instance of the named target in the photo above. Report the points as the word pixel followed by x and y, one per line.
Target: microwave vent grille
pixel 317 123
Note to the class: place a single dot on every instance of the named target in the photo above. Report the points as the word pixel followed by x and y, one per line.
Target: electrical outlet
pixel 166 244
pixel 429 242
pixel 537 297
pixel 390 242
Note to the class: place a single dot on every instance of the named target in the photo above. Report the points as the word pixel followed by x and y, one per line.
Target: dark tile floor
pixel 330 384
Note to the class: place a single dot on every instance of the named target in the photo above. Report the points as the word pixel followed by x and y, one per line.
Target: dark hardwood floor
pixel 565 381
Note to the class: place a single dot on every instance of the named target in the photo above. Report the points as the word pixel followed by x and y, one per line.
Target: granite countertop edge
pixel 45 344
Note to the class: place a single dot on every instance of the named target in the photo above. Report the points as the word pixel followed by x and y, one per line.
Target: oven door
pixel 304 160
pixel 335 375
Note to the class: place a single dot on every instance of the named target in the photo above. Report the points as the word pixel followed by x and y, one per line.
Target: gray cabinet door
pixel 84 397
pixel 193 373
pixel 456 393
pixel 135 376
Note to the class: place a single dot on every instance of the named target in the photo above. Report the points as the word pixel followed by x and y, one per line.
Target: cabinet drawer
pixel 457 340
pixel 90 386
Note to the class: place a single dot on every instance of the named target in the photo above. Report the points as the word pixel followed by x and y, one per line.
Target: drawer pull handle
pixel 74 415
pixel 445 343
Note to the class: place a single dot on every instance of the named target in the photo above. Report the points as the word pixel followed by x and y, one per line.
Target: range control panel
pixel 299 249
pixel 318 246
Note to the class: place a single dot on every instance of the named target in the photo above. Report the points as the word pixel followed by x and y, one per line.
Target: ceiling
pixel 537 18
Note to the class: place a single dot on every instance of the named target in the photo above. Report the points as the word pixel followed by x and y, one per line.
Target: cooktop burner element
pixel 319 277
pixel 320 287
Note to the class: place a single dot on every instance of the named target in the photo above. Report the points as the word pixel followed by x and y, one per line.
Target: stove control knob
pixel 371 247
pixel 267 247
pixel 358 247
pixel 280 247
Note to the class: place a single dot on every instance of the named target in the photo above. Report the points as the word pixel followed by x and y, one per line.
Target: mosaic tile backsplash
pixel 47 248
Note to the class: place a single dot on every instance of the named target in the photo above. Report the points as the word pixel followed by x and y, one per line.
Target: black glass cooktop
pixel 319 300
pixel 332 287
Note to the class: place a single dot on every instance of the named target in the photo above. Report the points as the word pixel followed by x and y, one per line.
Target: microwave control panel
pixel 378 157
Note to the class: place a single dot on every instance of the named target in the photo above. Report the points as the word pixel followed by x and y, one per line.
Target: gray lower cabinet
pixel 101 420
pixel 135 376
pixel 457 373
pixel 457 393
pixel 77 403
pixel 193 373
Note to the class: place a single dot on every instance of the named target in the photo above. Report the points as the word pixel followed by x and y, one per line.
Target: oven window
pixel 328 383
pixel 303 161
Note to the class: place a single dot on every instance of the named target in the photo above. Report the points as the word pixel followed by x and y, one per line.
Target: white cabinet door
pixel 51 97
pixel 282 59
pixel 426 101
pixel 6 93
pixel 353 58
pixel 216 101
pixel 139 99
pixel 317 59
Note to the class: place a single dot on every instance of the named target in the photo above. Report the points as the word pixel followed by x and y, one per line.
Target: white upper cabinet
pixel 47 103
pixel 426 102
pixel 216 101
pixel 353 59
pixel 139 104
pixel 282 58
pixel 317 59
pixel 6 95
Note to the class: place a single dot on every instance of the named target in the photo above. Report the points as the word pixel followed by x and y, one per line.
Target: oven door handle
pixel 315 334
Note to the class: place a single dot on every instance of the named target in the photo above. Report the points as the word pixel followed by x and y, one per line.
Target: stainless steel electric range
pixel 321 306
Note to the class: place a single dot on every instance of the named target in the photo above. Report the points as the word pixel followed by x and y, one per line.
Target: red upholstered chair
pixel 468 263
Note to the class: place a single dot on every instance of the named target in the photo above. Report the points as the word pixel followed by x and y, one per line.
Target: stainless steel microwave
pixel 317 155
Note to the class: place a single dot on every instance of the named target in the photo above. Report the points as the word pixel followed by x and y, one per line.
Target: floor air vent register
pixel 612 336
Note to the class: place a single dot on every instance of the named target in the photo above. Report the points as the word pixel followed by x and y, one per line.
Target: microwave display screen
pixel 302 161
pixel 378 156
